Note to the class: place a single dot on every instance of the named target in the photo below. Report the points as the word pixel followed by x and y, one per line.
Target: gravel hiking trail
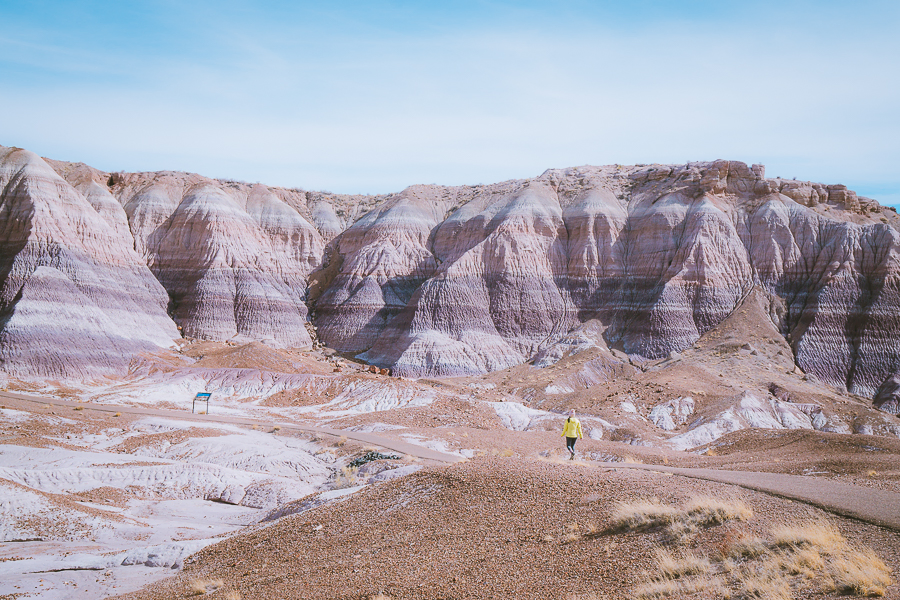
pixel 878 507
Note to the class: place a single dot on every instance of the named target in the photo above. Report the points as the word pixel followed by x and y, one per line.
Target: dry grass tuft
pixel 765 584
pixel 672 567
pixel 860 572
pixel 346 477
pixel 807 562
pixel 706 511
pixel 642 514
pixel 199 587
pixel 824 538
pixel 681 524
pixel 233 595
pixel 680 589
pixel 382 597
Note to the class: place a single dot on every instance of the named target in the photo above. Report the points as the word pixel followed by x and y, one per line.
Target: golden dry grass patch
pixel 860 572
pixel 797 560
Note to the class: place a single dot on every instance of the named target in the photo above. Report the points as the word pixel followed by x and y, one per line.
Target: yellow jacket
pixel 572 428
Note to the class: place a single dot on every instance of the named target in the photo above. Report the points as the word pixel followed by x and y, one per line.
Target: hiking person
pixel 572 431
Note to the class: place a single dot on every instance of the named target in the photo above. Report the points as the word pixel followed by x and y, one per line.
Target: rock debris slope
pixel 451 280
pixel 75 299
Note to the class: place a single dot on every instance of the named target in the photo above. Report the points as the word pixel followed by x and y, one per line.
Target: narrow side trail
pixel 367 438
pixel 875 506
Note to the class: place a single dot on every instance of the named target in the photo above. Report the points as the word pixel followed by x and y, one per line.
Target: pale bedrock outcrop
pixel 226 275
pixel 887 398
pixel 75 299
pixel 93 185
pixel 327 221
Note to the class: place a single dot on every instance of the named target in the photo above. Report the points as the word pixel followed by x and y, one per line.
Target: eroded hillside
pixel 446 281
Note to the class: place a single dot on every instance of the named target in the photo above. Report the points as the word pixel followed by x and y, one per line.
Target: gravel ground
pixel 492 527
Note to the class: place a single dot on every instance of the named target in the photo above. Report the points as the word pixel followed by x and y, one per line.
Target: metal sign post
pixel 201 397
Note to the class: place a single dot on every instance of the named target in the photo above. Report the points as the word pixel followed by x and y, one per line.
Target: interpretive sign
pixel 201 397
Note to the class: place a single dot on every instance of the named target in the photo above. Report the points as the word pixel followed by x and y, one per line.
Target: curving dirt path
pixel 878 507
pixel 360 436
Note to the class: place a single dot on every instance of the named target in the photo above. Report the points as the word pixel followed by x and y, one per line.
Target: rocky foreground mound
pixel 444 280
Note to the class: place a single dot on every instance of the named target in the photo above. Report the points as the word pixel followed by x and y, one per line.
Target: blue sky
pixel 374 96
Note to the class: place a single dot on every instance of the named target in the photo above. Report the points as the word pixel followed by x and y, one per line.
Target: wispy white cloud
pixel 372 108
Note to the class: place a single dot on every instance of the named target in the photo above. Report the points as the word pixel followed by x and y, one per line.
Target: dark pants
pixel 570 444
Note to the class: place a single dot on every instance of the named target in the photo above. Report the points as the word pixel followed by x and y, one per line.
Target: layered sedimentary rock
pixel 451 280
pixel 234 258
pixel 379 262
pixel 656 254
pixel 75 299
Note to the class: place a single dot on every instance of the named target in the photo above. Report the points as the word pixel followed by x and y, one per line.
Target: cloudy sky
pixel 373 96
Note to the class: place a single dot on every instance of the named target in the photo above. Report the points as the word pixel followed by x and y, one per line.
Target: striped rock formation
pixel 445 281
pixel 75 298
pixel 656 254
pixel 234 258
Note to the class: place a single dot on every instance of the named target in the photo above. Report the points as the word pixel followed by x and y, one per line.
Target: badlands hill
pixel 632 263
pixel 694 316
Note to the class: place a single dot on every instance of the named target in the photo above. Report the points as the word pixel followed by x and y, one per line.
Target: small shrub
pixel 370 456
